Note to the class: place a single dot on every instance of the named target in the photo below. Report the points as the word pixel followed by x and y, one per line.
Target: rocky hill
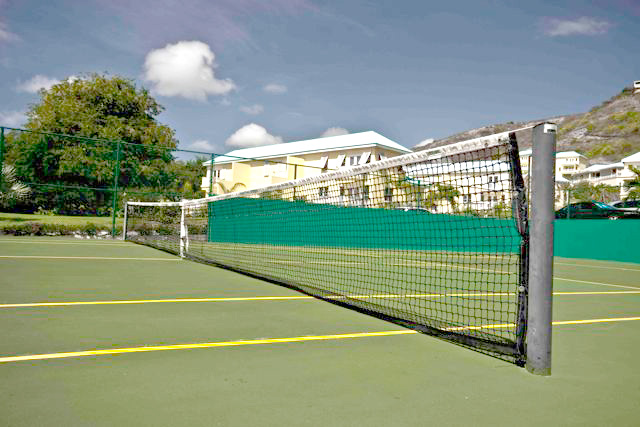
pixel 606 133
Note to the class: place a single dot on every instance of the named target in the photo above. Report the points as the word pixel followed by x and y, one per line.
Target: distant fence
pixel 599 239
pixel 85 176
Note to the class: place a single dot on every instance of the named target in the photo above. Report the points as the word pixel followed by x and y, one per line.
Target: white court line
pixel 595 283
pixel 598 266
pixel 79 242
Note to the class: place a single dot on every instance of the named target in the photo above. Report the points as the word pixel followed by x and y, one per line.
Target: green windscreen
pixel 434 244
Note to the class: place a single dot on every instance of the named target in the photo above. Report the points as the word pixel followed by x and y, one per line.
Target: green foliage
pixel 633 186
pixel 226 189
pixel 11 189
pixel 585 191
pixel 602 149
pixel 94 113
pixel 37 228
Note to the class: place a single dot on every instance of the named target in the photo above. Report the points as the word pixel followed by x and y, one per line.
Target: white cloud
pixel 252 135
pixel 37 82
pixel 202 145
pixel 334 131
pixel 185 69
pixel 583 26
pixel 12 118
pixel 275 88
pixel 252 109
pixel 6 35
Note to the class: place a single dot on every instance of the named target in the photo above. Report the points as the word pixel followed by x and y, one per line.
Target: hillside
pixel 606 133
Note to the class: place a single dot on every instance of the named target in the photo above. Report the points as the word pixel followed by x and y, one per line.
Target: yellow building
pixel 257 167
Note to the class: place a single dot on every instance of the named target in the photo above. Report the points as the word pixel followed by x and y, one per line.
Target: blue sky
pixel 240 73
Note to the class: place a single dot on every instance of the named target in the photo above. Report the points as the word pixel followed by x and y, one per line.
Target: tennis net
pixel 434 240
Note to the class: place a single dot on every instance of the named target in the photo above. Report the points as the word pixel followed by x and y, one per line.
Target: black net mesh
pixel 435 242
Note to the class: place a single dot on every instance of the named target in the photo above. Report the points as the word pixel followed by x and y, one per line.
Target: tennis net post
pixel 541 250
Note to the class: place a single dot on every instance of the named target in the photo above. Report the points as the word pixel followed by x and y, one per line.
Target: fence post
pixel 211 172
pixel 116 178
pixel 541 250
pixel 1 151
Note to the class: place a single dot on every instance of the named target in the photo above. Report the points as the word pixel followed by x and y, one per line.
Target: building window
pixel 354 160
pixel 323 191
pixel 466 199
pixel 388 194
pixel 365 192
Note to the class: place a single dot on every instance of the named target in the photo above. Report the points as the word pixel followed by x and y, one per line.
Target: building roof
pixel 601 167
pixel 564 154
pixel 561 154
pixel 331 143
pixel 632 158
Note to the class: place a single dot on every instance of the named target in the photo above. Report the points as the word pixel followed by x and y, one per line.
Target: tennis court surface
pixel 109 332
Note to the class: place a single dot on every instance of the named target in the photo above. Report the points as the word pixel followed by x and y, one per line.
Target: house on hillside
pixel 608 174
pixel 627 174
pixel 257 167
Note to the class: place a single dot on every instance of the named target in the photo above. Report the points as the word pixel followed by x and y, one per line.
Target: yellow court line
pixel 596 283
pixel 149 301
pixel 88 257
pixel 113 351
pixel 293 298
pixel 587 321
pixel 200 345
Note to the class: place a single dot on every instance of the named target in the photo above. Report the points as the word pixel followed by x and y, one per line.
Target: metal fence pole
pixel 211 172
pixel 541 250
pixel 116 177
pixel 124 221
pixel 1 151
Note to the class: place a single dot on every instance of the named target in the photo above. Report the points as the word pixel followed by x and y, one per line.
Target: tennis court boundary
pixel 239 343
pixel 296 298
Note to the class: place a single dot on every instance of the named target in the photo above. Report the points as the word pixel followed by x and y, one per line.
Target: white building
pixel 608 174
pixel 257 167
pixel 627 174
pixel 570 162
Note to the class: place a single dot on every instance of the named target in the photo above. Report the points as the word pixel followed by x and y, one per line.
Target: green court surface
pixel 112 333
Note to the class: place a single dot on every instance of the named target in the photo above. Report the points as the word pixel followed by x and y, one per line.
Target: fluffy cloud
pixel 334 131
pixel 583 26
pixel 37 82
pixel 252 109
pixel 275 88
pixel 12 118
pixel 6 35
pixel 252 135
pixel 202 145
pixel 185 69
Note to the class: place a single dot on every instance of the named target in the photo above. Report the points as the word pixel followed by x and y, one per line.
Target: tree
pixel 444 192
pixel 584 191
pixel 226 190
pixel 96 111
pixel 633 186
pixel 11 189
